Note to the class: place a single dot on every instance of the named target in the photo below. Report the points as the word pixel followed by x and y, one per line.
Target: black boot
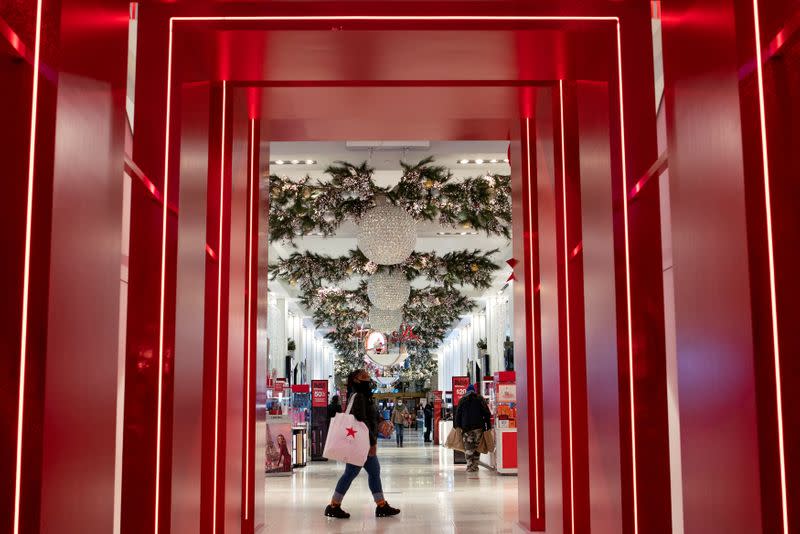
pixel 385 510
pixel 335 510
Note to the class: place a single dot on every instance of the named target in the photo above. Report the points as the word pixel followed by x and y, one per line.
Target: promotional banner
pixel 319 417
pixel 319 393
pixel 460 384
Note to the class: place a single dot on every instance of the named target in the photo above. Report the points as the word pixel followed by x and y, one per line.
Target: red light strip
pixel 219 303
pixel 160 395
pixel 566 301
pixel 251 192
pixel 26 276
pixel 627 279
pixel 772 289
pixel 533 329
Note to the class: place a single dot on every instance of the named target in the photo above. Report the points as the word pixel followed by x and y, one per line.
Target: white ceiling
pixel 388 172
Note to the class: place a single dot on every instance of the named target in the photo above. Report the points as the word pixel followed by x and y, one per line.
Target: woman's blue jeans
pixel 373 468
pixel 399 433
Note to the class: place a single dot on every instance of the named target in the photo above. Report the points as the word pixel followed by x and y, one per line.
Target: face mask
pixel 399 403
pixel 363 387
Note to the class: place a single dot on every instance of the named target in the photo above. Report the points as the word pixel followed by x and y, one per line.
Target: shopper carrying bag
pixel 366 423
pixel 348 438
pixel 486 445
pixel 455 440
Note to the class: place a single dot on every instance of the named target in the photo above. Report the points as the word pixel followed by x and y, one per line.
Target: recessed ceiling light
pixel 279 162
pixel 492 161
pixel 505 160
pixel 295 161
pixel 479 161
pixel 310 162
pixel 463 161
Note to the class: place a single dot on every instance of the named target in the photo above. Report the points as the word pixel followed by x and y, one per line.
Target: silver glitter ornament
pixel 388 291
pixel 387 234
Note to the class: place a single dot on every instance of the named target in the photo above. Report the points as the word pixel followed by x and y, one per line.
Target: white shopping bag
pixel 348 438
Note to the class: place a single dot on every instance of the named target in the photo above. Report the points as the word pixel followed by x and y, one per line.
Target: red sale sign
pixel 460 384
pixel 319 393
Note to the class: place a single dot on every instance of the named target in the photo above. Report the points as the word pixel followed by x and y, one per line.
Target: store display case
pixel 502 396
pixel 300 416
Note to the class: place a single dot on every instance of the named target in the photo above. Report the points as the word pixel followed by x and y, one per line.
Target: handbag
pixel 348 438
pixel 455 440
pixel 486 445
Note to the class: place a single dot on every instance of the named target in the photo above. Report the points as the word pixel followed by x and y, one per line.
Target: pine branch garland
pixel 309 270
pixel 425 190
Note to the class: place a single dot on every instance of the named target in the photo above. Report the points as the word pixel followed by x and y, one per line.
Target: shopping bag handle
pixel 350 404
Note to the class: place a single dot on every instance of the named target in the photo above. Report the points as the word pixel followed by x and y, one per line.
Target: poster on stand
pixel 319 417
pixel 279 440
pixel 460 385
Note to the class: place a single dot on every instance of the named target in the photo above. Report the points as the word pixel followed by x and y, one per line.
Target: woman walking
pixel 399 416
pixel 364 410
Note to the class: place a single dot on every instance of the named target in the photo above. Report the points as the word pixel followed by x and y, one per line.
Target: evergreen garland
pixel 429 312
pixel 309 270
pixel 299 208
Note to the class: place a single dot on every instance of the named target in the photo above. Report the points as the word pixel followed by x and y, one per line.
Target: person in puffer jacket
pixel 473 418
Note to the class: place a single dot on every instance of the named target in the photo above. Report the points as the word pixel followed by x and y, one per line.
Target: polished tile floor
pixel 434 495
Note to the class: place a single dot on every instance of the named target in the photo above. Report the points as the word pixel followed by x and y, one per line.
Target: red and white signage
pixel 460 385
pixel 319 393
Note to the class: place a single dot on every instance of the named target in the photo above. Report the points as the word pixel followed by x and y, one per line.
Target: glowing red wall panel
pixel 192 255
pixel 767 36
pixel 574 438
pixel 597 250
pixel 719 435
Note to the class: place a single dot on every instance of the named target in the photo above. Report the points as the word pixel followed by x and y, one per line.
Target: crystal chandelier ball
pixel 385 320
pixel 387 234
pixel 394 356
pixel 388 291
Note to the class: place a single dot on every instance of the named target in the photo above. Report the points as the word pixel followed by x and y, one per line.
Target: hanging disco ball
pixel 388 291
pixel 385 320
pixel 387 234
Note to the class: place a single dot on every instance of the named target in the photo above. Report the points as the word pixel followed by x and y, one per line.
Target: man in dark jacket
pixel 428 415
pixel 472 417
pixel 334 407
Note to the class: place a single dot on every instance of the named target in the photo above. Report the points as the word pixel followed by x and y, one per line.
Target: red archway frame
pixel 539 485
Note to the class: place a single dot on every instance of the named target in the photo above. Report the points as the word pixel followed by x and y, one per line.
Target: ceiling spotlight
pixel 279 162
pixel 310 162
pixel 463 161
pixel 492 161
pixel 479 161
pixel 505 160
pixel 295 161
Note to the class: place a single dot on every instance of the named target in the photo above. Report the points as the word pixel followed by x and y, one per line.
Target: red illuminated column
pixel 552 373
pixel 250 470
pixel 192 257
pixel 597 250
pixel 27 105
pixel 769 87
pixel 639 283
pixel 716 380
pixel 151 303
pixel 62 150
pixel 575 473
pixel 528 368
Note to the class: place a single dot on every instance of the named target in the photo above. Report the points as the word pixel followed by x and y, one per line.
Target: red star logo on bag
pixel 351 432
